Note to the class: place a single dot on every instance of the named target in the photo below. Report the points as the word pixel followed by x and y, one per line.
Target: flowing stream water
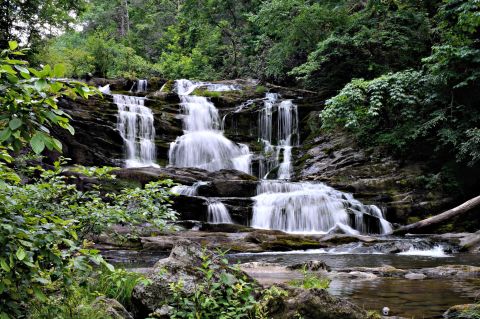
pixel 135 124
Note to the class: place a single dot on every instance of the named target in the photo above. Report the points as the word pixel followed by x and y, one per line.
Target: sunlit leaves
pixel 28 98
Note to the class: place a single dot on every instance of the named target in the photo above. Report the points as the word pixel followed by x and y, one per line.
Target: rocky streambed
pixel 416 277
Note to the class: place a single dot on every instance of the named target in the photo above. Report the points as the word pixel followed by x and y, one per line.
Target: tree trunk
pixel 454 212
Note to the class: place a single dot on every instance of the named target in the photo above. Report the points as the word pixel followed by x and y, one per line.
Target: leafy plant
pixel 28 99
pixel 310 281
pixel 118 284
pixel 224 293
pixel 43 226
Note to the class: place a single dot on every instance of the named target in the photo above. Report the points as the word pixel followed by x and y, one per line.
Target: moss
pixel 290 243
pixel 168 86
pixel 413 219
pixel 206 93
pixel 260 89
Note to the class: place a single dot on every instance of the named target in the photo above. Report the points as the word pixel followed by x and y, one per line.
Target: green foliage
pixel 104 172
pixel 378 40
pixel 223 293
pixel 269 296
pixel 74 303
pixel 310 280
pixel 118 284
pixel 43 226
pixel 426 111
pixel 28 101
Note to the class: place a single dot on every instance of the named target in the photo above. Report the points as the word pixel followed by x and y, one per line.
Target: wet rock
pixel 467 311
pixel 311 265
pixel 370 176
pixel 186 176
pixel 112 307
pixel 446 271
pixel 413 276
pixel 182 264
pixel 313 304
pixel 240 239
pixel 466 241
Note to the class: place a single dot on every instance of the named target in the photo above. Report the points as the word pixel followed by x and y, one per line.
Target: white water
pixel 142 85
pixel 287 131
pixel 135 124
pixel 187 190
pixel 310 208
pixel 436 252
pixel 203 144
pixel 218 213
pixel 105 89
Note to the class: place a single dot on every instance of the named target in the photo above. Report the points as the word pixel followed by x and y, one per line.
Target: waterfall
pixel 142 85
pixel 287 132
pixel 301 207
pixel 187 190
pixel 311 208
pixel 135 124
pixel 203 144
pixel 218 213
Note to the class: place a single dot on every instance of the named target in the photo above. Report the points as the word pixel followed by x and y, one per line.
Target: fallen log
pixel 440 218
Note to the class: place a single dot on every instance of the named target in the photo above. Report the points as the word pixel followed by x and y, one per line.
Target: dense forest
pixel 400 78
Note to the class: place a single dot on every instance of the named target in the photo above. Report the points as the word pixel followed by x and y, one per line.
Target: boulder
pixel 112 308
pixel 311 265
pixel 467 311
pixel 183 264
pixel 313 304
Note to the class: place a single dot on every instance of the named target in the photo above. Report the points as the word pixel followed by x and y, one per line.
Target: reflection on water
pixel 409 298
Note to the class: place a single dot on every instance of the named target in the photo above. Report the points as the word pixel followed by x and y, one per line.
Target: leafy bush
pixel 224 293
pixel 28 100
pixel 42 225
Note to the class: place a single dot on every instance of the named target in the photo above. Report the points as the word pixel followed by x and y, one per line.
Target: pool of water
pixel 408 298
pixel 427 298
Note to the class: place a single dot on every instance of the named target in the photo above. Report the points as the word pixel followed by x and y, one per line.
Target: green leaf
pixel 4 265
pixel 39 294
pixel 15 123
pixel 41 84
pixel 21 254
pixel 13 45
pixel 5 134
pixel 37 143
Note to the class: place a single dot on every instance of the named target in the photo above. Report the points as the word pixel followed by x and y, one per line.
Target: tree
pixel 28 21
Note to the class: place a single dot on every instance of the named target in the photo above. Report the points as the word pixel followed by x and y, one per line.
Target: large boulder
pixel 313 304
pixel 112 308
pixel 467 311
pixel 184 265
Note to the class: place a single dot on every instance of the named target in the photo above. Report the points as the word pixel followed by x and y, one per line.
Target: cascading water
pixel 218 213
pixel 142 85
pixel 311 208
pixel 187 190
pixel 203 144
pixel 287 132
pixel 301 207
pixel 135 124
